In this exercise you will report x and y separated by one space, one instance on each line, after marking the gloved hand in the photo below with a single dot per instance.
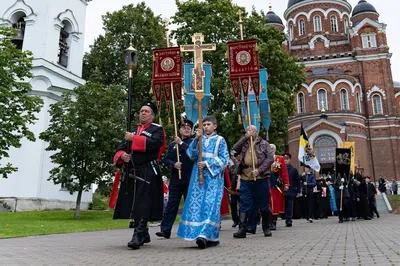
341 187
342 180
305 183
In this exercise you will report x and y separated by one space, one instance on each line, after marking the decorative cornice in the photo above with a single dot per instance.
333 86
324 12
315 38
380 26
69 16
18 6
307 2
376 89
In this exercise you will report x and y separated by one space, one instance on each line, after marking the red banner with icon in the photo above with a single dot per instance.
244 67
167 72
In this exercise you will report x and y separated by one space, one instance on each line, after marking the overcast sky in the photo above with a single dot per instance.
388 10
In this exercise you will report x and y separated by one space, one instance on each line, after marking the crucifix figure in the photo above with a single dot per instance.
198 47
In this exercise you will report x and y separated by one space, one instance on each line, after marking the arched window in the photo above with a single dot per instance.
302 27
301 107
334 25
20 27
64 44
291 32
317 24
322 99
346 25
325 149
377 104
358 100
344 100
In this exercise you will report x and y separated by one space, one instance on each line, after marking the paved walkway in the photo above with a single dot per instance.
325 242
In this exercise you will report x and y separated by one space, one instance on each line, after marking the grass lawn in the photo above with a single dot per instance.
395 203
17 224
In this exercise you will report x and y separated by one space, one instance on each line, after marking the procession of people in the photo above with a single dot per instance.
259 184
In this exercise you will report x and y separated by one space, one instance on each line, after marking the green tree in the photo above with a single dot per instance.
132 23
218 21
83 135
17 107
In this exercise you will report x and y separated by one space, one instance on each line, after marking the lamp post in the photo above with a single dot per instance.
130 58
131 61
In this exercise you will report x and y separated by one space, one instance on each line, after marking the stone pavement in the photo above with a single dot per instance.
325 242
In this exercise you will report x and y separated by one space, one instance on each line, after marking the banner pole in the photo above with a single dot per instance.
176 130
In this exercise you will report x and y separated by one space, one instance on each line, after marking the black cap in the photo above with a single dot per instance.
186 122
287 154
152 105
307 166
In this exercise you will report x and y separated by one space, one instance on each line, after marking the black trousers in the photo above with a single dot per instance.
310 206
234 201
176 191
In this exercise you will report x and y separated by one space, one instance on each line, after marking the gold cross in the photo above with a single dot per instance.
198 48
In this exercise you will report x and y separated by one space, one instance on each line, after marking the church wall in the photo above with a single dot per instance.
28 188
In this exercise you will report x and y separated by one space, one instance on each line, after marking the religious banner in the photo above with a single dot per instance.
244 67
190 102
259 112
167 73
342 165
352 146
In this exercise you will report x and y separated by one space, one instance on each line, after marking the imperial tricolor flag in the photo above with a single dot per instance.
306 154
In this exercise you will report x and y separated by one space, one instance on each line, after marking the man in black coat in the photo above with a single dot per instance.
293 191
177 187
141 194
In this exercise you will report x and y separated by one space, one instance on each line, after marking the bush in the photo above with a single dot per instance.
99 202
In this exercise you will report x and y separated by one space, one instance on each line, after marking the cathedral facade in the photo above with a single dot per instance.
53 31
349 94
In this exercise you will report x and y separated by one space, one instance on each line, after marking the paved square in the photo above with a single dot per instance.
325 242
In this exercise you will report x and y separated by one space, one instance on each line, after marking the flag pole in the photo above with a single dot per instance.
240 12
173 103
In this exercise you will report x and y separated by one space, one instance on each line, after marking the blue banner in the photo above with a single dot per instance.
190 101
263 111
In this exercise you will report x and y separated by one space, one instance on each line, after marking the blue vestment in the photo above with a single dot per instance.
201 213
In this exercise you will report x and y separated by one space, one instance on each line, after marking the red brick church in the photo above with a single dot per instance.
349 94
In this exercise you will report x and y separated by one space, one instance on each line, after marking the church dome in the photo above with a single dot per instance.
273 18
363 7
293 2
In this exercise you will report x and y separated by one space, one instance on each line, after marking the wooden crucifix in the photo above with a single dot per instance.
198 47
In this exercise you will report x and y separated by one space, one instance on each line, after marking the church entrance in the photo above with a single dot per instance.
325 149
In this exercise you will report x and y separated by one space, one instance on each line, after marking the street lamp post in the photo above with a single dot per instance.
131 61
130 58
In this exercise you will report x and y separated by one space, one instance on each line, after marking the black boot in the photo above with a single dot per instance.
241 233
146 237
266 224
139 235
135 242
273 222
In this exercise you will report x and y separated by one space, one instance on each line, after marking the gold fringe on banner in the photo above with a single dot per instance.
259 118
169 121
239 119
151 91
159 121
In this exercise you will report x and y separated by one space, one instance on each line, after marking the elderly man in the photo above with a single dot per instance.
254 187
141 191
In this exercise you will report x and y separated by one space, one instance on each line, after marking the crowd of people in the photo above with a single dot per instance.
259 185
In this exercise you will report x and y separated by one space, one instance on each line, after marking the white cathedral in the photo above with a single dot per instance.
53 31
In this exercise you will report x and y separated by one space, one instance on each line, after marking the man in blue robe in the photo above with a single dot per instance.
201 218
